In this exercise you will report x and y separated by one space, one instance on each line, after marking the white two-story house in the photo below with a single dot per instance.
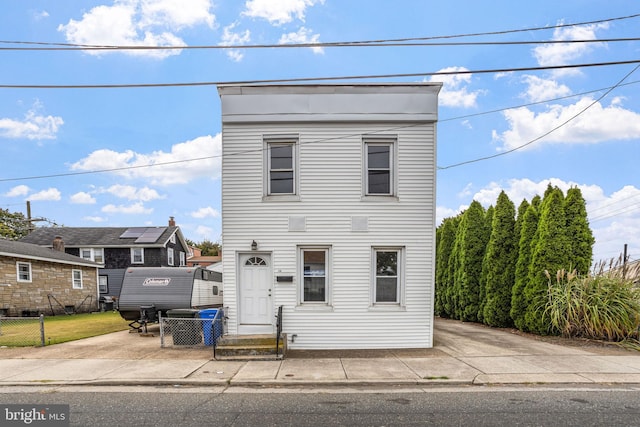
328 210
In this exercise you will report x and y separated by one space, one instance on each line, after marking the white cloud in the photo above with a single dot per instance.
180 170
50 194
136 208
17 191
94 219
82 198
613 218
543 89
302 36
39 15
597 124
138 23
207 212
130 192
34 126
204 232
565 53
229 37
455 91
278 12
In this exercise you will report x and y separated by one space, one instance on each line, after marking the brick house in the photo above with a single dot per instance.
35 280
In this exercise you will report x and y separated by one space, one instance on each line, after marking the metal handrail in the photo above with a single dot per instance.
278 330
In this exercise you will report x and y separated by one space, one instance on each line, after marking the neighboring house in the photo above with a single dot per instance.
328 201
36 280
195 258
118 248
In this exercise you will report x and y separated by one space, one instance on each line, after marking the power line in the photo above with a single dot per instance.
546 133
124 168
316 45
321 79
416 41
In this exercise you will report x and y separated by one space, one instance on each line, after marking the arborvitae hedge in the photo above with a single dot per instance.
488 218
500 264
444 283
467 255
580 236
519 302
550 253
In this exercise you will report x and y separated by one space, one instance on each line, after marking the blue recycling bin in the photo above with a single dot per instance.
211 330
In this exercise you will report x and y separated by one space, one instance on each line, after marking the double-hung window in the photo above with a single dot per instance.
23 271
387 276
315 277
103 284
183 260
93 254
170 256
379 161
281 167
76 278
137 255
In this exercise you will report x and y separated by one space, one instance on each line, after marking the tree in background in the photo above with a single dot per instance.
499 264
13 225
550 253
207 247
529 225
468 253
445 239
578 231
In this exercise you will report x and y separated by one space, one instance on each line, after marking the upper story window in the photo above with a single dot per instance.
380 167
93 254
76 277
170 256
137 255
281 166
172 239
183 259
23 271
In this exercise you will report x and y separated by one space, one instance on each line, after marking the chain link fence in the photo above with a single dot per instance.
179 332
21 331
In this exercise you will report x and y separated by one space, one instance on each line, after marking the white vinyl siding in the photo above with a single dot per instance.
76 279
23 271
330 191
407 221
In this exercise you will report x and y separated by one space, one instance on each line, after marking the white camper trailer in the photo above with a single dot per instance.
160 289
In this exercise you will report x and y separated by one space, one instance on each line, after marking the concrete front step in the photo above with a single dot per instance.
250 347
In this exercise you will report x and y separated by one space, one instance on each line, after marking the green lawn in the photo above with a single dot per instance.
58 329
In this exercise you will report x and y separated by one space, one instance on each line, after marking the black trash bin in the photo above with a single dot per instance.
187 331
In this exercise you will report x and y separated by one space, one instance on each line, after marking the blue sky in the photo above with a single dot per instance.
592 137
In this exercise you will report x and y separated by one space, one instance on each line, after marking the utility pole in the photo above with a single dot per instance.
30 220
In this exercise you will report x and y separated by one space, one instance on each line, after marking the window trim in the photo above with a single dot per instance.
30 278
281 140
170 257
327 275
92 254
133 251
102 277
400 285
74 280
392 143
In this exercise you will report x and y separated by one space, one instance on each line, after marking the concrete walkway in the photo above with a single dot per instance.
463 354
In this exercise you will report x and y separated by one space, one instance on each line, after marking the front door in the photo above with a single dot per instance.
255 293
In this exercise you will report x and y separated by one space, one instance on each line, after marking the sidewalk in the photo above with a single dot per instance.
464 354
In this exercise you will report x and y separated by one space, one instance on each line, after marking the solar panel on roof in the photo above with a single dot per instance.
133 232
150 235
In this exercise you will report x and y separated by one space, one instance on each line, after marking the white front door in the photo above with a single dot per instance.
255 293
